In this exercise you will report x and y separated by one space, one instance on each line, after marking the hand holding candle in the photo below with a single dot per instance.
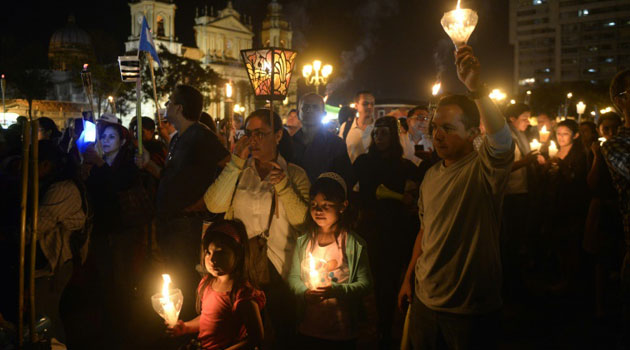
168 303
314 272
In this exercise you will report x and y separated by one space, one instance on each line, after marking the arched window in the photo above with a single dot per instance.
160 26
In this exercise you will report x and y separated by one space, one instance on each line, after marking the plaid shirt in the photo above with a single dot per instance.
616 152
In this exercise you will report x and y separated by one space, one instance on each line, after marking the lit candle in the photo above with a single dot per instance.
601 140
459 24
436 89
553 150
170 314
313 274
544 134
535 145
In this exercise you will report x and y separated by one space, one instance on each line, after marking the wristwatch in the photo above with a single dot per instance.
479 93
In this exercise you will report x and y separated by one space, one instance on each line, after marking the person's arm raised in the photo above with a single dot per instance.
468 71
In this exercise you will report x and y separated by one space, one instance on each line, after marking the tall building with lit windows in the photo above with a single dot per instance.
568 40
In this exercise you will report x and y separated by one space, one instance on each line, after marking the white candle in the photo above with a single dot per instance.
170 314
544 134
535 145
553 150
313 274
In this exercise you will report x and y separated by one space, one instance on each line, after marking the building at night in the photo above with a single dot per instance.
219 38
568 40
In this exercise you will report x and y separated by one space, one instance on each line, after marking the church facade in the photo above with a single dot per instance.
219 38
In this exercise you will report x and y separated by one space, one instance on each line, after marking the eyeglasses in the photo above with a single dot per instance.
623 93
257 134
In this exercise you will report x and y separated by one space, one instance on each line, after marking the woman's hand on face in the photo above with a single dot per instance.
241 148
276 174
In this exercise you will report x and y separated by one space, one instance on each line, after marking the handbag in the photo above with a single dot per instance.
258 250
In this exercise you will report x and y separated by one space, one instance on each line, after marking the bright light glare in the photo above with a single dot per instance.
317 64
307 70
327 70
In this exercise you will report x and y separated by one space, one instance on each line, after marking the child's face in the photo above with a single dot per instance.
219 260
324 212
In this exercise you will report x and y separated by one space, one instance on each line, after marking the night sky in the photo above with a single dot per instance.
395 48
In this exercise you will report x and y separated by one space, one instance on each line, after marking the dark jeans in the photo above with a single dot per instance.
429 329
515 240
279 312
179 240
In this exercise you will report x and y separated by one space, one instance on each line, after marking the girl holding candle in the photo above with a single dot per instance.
228 304
329 310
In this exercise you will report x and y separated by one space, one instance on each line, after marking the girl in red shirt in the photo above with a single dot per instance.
228 304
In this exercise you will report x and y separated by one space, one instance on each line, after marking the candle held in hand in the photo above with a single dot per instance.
169 302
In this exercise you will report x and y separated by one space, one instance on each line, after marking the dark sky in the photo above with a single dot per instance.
392 47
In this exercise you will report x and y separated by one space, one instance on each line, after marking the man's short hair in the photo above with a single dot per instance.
357 96
293 111
470 115
609 116
305 96
515 110
619 83
417 108
191 100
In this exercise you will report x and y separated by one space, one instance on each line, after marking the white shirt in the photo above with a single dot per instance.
357 141
252 204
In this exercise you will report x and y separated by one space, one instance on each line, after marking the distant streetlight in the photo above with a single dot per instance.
112 103
316 75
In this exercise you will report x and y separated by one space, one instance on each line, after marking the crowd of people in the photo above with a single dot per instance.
296 237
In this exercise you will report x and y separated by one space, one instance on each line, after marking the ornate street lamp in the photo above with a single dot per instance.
459 24
316 75
269 70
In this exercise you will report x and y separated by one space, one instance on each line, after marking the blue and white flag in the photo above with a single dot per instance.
146 41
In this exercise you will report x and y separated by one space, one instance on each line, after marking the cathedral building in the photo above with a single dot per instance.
219 38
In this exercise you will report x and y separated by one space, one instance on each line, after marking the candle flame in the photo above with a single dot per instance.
228 90
167 280
458 3
85 66
436 88
325 98
544 128
2 76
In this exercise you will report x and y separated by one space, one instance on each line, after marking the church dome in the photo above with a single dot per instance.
69 47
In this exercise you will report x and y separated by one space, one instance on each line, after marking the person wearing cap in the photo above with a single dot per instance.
456 258
316 149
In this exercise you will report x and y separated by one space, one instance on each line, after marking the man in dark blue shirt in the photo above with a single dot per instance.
316 149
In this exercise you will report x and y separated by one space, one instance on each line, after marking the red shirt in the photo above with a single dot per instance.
219 325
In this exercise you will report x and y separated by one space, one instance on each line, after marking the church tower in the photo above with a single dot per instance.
276 31
161 19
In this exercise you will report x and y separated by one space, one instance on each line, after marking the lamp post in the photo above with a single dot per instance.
316 75
580 107
228 112
269 70
459 24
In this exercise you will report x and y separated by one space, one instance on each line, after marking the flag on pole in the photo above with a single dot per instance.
146 42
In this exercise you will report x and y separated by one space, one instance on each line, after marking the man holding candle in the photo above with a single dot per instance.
616 152
456 256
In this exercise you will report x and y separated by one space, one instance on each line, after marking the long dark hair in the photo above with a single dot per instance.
334 192
394 149
233 235
125 153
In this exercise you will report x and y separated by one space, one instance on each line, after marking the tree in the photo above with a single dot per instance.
175 70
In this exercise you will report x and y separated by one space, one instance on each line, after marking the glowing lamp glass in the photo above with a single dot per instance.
580 107
327 70
459 24
168 303
269 71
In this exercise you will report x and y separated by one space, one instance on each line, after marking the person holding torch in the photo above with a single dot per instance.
456 257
